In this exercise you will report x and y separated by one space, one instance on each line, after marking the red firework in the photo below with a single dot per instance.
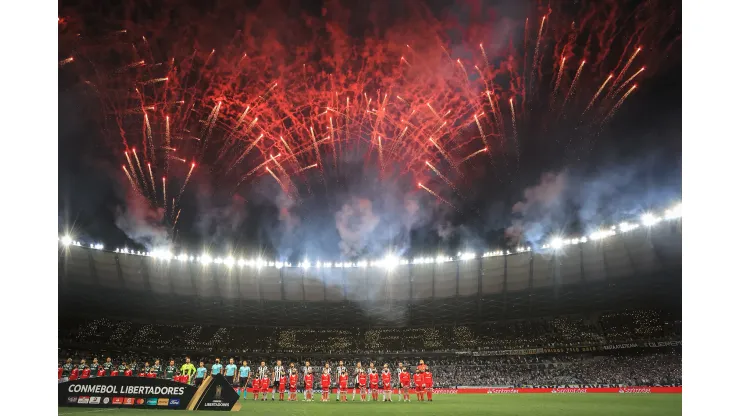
398 97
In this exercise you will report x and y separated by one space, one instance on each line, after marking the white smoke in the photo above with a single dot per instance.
143 223
355 223
536 212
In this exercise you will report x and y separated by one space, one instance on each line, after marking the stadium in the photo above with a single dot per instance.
312 207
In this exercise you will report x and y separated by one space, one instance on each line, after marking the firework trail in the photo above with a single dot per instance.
149 140
138 165
480 129
133 185
380 155
468 157
435 195
187 178
513 120
177 217
130 165
307 167
208 128
557 83
593 100
164 193
151 176
441 176
625 83
619 104
616 83
572 89
246 151
535 60
442 152
154 81
66 61
282 186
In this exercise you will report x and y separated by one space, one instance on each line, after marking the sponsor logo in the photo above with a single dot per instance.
83 400
217 404
174 402
139 401
163 402
72 399
106 400
445 391
129 401
503 391
119 400
636 390
95 400
152 401
569 390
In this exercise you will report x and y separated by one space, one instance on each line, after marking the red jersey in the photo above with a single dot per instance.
283 379
73 375
86 373
386 376
293 380
422 368
142 374
404 378
362 380
428 380
59 373
150 375
325 380
128 372
265 383
343 381
309 381
101 372
114 373
418 379
374 379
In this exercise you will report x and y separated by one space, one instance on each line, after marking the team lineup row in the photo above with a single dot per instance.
277 379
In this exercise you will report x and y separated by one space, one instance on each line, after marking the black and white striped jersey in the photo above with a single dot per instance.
278 372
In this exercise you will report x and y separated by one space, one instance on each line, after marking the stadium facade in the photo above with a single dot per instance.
638 268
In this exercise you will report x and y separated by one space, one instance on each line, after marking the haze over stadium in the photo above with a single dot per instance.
433 168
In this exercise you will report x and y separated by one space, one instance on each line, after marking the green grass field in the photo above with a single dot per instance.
472 404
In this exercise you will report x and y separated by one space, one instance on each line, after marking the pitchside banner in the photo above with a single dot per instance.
148 393
561 390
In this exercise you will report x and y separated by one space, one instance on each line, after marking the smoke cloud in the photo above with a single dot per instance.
143 223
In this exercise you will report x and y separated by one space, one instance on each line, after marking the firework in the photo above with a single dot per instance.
177 217
133 185
187 178
66 61
229 114
441 176
435 195
164 193
276 179
612 92
468 157
619 103
593 100
151 176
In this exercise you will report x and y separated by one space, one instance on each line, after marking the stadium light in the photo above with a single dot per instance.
556 243
466 256
66 240
229 262
648 219
206 259
673 213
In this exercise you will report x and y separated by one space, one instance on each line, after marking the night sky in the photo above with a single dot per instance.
567 180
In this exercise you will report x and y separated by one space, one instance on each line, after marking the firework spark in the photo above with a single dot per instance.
435 195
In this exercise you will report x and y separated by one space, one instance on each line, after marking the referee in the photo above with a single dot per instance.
277 373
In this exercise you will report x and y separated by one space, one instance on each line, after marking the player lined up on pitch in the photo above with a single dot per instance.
368 382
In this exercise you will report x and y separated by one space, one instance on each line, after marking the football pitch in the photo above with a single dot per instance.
469 404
